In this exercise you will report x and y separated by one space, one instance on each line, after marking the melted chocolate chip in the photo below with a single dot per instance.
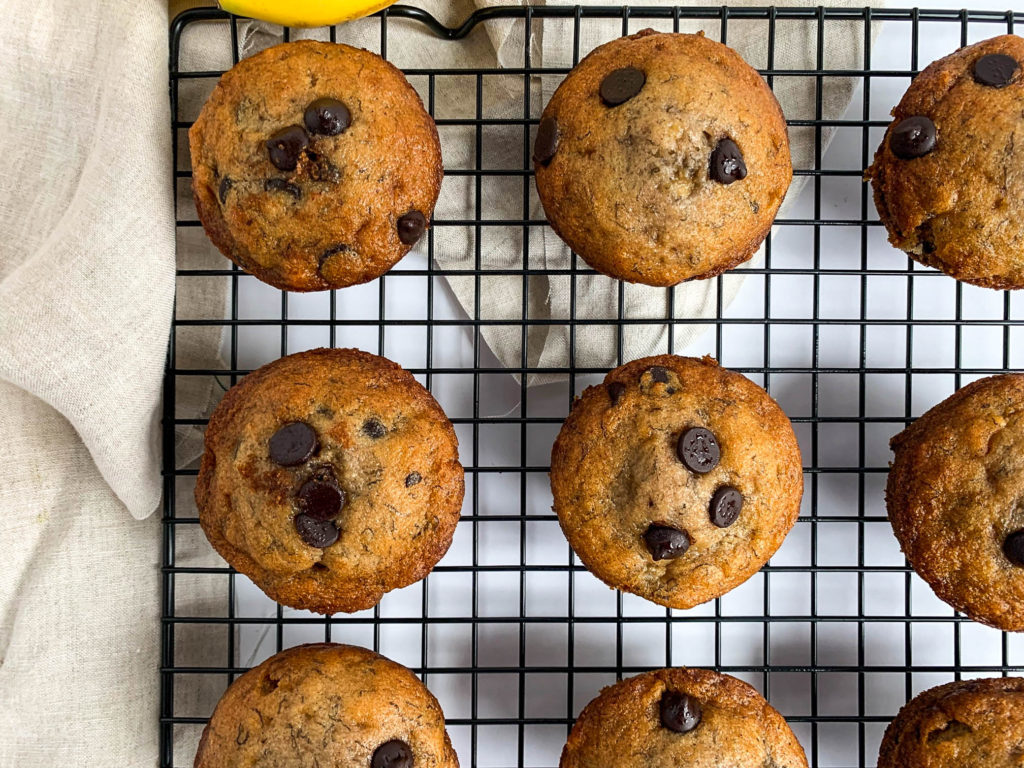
286 145
223 188
280 185
316 533
293 444
621 85
321 499
912 137
546 143
995 70
615 390
392 754
1013 548
679 712
412 479
659 374
373 428
725 507
727 163
411 226
698 450
327 117
665 542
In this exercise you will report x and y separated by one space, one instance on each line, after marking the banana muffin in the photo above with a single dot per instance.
329 478
945 176
326 705
966 724
662 158
956 499
676 479
314 165
689 718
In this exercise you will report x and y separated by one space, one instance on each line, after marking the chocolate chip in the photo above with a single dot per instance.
280 185
222 190
615 390
411 226
679 712
698 450
659 374
995 70
412 479
316 533
321 499
392 754
293 444
727 163
332 251
286 145
1013 548
725 506
665 542
912 137
373 428
621 85
546 143
327 117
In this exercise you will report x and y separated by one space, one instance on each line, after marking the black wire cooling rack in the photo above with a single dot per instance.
836 631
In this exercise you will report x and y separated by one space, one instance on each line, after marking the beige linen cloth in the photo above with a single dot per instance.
87 257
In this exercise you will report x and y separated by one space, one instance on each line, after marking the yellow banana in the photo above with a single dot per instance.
304 13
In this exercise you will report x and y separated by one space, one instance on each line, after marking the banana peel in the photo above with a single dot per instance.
304 13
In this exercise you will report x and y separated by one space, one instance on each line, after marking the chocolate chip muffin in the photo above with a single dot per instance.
314 165
676 479
326 705
966 724
681 717
329 478
956 499
945 176
662 158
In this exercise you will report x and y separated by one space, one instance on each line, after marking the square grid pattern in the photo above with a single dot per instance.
510 632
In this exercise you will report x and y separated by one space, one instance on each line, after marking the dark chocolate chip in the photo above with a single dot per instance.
698 450
392 754
412 479
286 145
222 190
726 505
621 85
615 390
373 428
546 143
321 499
679 712
316 533
280 185
293 444
1013 548
334 250
411 226
327 117
665 542
659 374
727 163
995 70
912 137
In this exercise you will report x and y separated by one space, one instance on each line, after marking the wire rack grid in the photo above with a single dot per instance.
510 631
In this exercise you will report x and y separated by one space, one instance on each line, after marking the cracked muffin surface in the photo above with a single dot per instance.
966 724
329 478
947 177
676 479
662 158
681 717
955 497
314 165
326 705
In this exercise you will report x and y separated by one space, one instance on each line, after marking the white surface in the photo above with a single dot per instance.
887 592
